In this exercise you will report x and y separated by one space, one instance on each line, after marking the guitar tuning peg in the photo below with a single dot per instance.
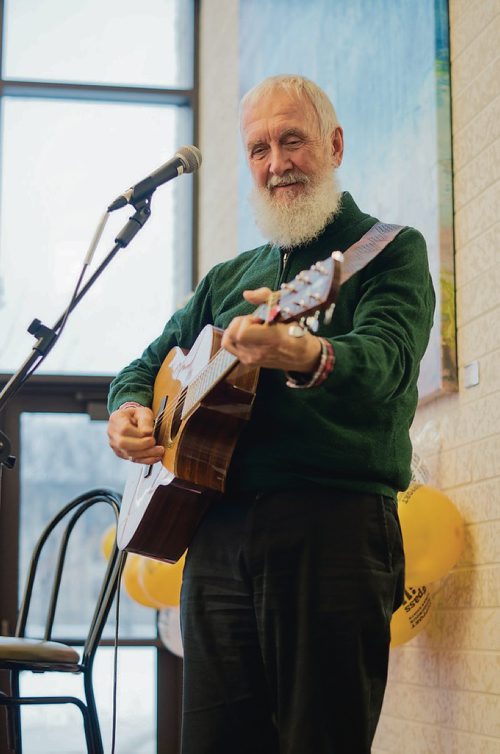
297 330
329 314
313 323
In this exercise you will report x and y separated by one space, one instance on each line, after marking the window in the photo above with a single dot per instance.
114 43
93 98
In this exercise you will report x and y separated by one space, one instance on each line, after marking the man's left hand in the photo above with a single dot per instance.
269 345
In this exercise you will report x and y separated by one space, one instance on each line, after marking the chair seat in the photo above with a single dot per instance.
36 650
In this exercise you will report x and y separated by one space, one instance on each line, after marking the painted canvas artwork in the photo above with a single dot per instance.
385 66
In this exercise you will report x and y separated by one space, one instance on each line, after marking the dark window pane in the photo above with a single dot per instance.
62 456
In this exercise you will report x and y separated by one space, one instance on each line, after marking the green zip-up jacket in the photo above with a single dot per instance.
352 431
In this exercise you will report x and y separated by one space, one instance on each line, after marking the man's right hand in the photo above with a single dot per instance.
130 434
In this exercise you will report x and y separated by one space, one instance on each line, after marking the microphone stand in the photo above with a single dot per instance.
47 336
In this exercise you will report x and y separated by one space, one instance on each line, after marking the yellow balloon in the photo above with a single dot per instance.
131 582
433 533
161 581
108 541
413 615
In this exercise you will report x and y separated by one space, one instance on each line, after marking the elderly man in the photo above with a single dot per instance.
292 577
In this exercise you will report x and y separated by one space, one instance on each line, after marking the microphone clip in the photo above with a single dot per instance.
136 222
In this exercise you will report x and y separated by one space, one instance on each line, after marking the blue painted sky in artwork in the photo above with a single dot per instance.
348 48
374 58
384 64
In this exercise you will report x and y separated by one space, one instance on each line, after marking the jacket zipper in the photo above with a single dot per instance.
283 263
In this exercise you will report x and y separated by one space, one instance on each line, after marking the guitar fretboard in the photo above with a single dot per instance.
213 372
207 379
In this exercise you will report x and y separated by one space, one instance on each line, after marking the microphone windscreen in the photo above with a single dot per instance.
191 158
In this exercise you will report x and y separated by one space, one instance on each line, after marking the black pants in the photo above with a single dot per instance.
286 605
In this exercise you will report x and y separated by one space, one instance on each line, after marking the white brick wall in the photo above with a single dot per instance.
443 695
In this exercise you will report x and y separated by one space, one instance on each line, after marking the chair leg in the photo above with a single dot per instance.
14 742
13 712
94 744
93 718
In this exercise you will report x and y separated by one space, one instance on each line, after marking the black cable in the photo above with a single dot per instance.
115 656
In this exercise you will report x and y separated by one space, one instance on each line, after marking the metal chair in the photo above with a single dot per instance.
19 653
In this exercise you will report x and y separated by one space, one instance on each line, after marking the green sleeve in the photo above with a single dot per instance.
380 357
135 382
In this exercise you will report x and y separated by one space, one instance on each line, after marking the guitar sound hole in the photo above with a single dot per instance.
176 422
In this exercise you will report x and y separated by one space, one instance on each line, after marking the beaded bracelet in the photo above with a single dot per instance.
326 362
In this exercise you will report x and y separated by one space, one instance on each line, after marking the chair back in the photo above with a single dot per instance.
69 516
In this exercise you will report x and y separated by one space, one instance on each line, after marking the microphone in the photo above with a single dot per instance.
186 160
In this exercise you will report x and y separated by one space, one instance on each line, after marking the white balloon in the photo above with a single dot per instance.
169 629
419 471
426 444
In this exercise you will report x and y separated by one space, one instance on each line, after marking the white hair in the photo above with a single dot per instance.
297 87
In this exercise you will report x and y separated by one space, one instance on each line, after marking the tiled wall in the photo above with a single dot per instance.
443 695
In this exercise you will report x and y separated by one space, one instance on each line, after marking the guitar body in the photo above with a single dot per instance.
164 503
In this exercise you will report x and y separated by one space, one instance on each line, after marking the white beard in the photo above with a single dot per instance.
301 219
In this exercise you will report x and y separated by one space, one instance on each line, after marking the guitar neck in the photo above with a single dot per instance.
216 369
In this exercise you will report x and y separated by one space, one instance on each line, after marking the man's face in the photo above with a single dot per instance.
284 147
295 190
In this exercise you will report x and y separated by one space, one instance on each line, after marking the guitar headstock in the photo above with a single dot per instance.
309 292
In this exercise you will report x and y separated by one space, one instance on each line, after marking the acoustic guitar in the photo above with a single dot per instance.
201 401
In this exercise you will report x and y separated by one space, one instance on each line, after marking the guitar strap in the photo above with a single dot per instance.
363 251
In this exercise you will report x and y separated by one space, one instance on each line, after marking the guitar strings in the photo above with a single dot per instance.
170 409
